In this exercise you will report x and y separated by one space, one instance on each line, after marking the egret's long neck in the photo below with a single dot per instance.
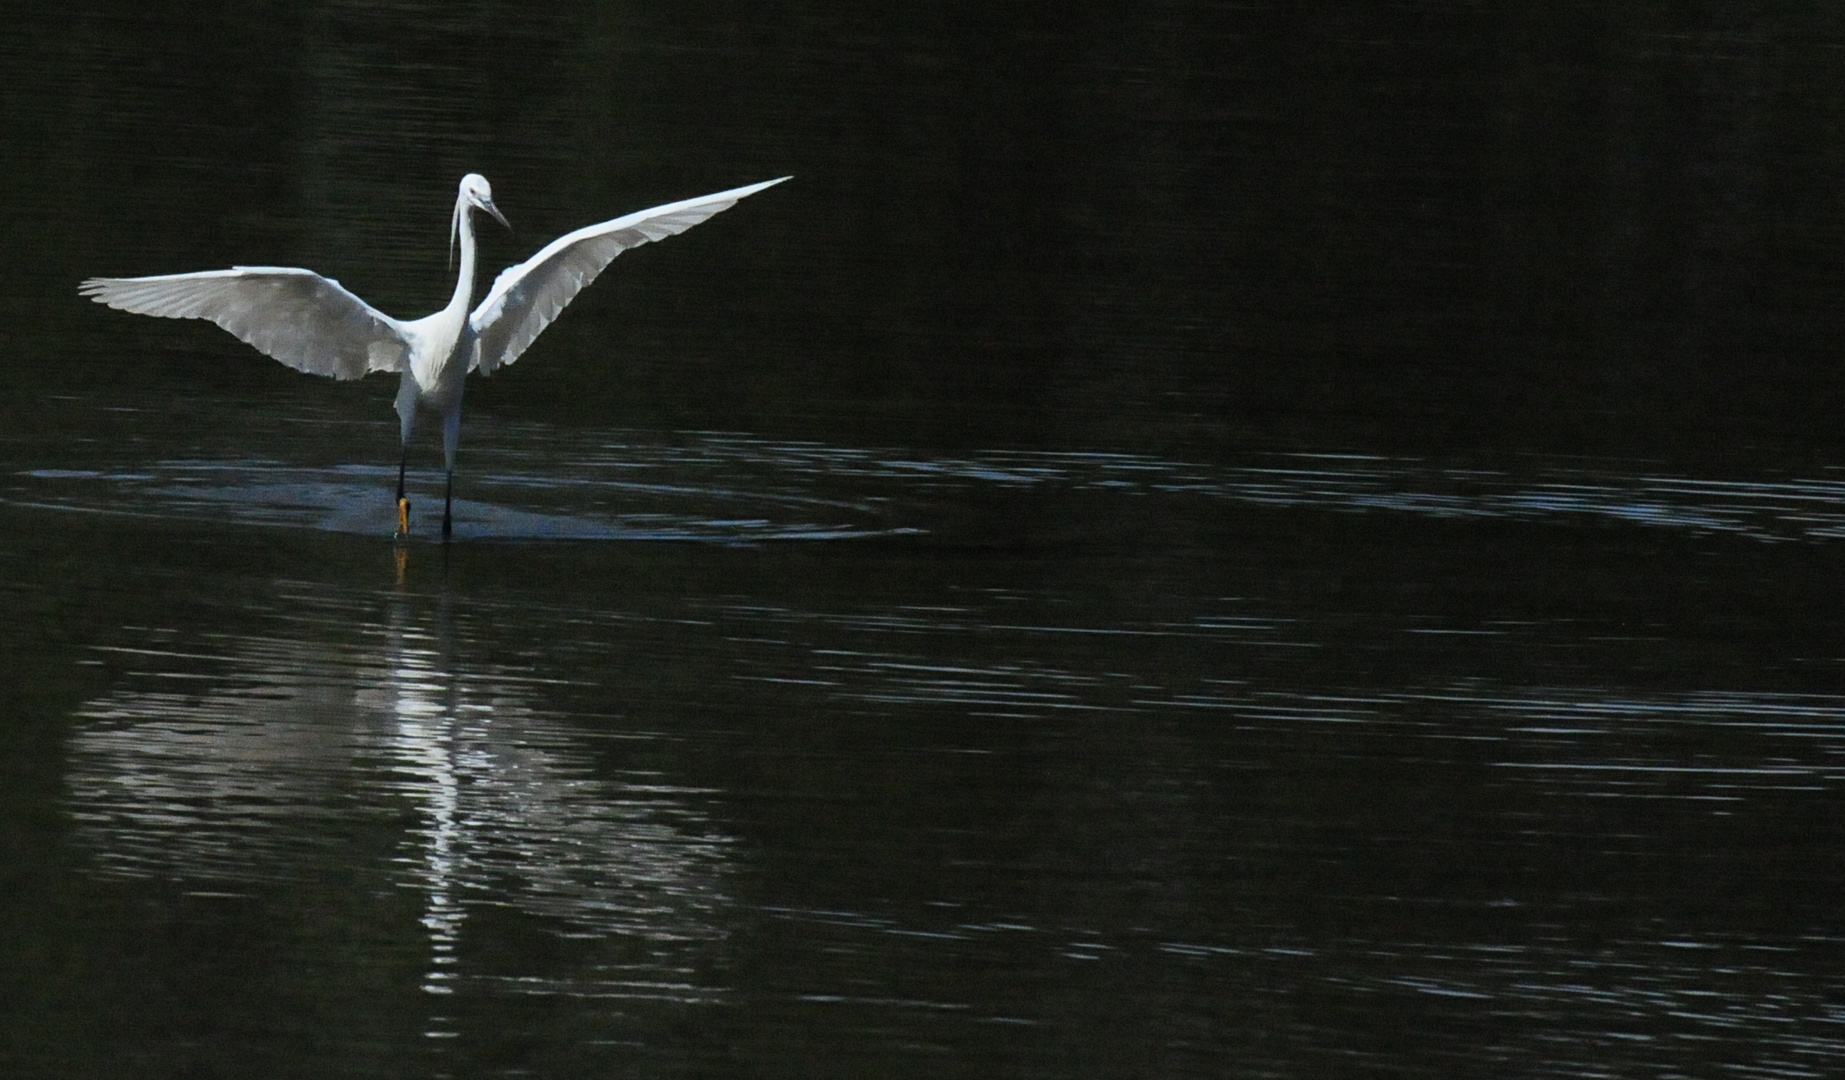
464 284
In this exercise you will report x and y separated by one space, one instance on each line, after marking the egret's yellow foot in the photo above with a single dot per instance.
403 517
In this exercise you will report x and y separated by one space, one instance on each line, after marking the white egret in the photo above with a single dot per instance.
312 324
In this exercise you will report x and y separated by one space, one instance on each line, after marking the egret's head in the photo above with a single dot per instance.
475 192
479 193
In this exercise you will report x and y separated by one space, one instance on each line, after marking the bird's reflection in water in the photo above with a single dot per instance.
357 737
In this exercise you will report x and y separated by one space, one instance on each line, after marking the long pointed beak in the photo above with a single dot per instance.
487 205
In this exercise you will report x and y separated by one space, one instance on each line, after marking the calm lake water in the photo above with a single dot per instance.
1188 541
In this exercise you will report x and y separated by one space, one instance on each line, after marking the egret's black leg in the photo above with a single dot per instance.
451 437
403 501
406 415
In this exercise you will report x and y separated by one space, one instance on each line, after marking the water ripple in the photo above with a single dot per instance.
534 481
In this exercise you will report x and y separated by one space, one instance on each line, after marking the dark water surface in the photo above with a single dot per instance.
1191 540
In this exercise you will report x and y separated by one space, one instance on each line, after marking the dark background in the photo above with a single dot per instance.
1424 227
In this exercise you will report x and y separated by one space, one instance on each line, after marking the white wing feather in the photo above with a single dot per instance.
307 321
527 297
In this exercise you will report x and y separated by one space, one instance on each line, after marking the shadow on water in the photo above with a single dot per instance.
531 481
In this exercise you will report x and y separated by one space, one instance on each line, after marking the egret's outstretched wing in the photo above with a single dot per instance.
525 298
306 321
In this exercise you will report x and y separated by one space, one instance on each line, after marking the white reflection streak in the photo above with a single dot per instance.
271 760
425 744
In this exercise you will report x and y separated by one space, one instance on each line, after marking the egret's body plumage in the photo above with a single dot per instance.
312 324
